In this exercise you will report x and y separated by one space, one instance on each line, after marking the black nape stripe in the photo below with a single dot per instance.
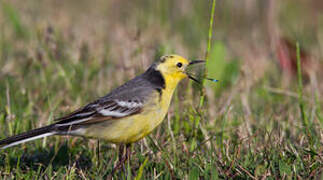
156 78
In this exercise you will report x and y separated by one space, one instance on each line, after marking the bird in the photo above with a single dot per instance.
126 114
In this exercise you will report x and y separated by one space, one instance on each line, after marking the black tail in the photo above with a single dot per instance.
27 136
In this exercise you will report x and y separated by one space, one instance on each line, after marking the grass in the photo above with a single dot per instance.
202 96
252 124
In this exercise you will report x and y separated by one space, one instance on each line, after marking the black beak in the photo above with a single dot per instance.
191 77
196 62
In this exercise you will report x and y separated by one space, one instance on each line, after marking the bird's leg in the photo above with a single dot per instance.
98 153
120 154
128 151
123 156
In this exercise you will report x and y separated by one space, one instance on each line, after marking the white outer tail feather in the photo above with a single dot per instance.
28 139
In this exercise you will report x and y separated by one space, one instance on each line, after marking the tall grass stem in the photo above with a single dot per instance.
209 44
300 95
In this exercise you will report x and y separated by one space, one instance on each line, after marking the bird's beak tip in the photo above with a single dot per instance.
196 62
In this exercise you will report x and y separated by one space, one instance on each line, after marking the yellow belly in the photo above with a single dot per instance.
133 128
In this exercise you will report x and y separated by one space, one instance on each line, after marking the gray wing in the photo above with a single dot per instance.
123 101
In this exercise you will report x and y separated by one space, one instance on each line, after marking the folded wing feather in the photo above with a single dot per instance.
104 111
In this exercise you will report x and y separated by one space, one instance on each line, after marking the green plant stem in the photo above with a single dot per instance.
202 92
300 95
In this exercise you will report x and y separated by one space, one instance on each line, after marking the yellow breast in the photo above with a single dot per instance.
133 128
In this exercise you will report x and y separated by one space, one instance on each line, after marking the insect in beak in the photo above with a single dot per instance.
193 78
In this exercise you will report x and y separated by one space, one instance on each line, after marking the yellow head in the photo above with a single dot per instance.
173 67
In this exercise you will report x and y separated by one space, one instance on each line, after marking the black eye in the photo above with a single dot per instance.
179 64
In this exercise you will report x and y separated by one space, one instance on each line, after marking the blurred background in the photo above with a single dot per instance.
57 55
112 41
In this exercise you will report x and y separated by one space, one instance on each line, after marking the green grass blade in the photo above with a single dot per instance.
141 170
301 94
209 44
